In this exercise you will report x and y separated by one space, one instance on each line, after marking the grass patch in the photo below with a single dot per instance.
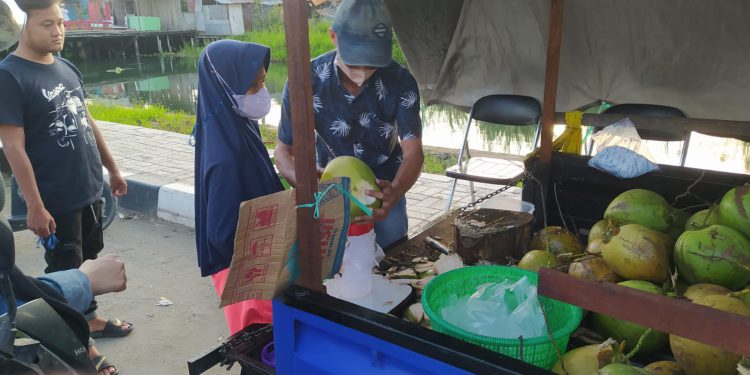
147 116
161 118
437 163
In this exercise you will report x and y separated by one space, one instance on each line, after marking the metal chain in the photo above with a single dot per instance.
463 210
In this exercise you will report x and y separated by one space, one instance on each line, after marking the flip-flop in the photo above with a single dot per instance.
101 363
113 328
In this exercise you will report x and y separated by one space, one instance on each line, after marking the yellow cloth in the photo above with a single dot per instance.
571 139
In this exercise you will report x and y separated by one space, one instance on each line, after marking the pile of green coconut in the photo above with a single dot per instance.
643 242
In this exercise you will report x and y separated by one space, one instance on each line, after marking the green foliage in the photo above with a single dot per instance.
268 30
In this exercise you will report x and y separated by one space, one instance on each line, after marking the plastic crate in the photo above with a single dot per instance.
317 334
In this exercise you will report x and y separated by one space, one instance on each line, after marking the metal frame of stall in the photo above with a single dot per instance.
713 327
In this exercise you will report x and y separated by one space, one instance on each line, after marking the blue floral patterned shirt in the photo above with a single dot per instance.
369 125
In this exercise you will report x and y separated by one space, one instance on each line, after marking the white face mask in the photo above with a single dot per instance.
358 75
254 106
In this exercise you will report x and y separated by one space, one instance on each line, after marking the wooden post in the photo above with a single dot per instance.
550 78
158 44
138 57
169 45
192 42
700 323
300 91
137 50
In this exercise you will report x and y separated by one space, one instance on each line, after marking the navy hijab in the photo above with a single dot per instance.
231 162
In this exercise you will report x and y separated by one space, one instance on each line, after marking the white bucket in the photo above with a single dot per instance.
499 202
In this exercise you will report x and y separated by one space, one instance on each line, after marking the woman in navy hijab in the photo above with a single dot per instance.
231 162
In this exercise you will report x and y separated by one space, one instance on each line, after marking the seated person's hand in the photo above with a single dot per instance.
106 274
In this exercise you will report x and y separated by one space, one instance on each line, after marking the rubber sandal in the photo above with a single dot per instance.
101 363
113 328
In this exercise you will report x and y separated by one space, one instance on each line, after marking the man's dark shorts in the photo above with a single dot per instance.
80 238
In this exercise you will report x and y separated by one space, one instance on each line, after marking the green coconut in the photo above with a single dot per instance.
679 219
701 359
628 332
621 369
559 241
734 209
698 291
362 179
716 255
595 246
601 227
579 361
703 219
642 207
593 269
744 295
665 368
536 259
638 253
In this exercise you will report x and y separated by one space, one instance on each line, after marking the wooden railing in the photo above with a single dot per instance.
88 25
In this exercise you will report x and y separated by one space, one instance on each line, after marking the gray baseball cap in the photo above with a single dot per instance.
363 33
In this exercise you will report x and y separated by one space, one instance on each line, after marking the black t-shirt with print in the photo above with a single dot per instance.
48 102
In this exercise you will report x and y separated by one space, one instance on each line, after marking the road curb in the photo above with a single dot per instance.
176 204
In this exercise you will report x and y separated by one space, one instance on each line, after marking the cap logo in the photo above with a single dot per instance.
380 30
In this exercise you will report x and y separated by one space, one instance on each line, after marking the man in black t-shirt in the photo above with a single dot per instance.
55 149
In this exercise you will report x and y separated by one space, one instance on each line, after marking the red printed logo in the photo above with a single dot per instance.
260 247
327 236
265 217
256 274
254 294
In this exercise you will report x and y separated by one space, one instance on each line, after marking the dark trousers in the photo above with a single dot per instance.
80 237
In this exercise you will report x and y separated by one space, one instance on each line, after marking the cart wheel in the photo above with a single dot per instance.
109 206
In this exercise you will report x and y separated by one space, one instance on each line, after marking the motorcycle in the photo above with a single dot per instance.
17 218
43 336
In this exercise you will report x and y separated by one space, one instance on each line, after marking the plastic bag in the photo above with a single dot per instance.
502 310
621 152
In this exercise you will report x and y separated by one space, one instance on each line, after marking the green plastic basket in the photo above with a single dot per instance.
562 318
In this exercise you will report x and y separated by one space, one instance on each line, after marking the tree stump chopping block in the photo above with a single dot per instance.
493 235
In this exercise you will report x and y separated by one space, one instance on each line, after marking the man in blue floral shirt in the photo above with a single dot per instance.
367 106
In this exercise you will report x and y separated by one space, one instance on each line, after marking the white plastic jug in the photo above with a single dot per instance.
360 256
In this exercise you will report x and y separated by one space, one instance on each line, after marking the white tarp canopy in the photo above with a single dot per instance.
690 54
